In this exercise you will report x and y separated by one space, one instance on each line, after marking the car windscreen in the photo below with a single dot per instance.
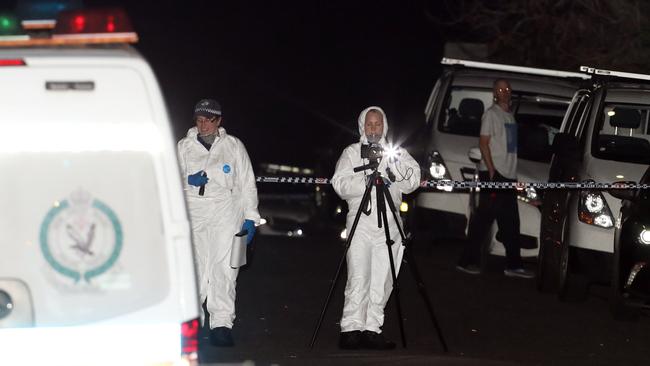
622 131
538 116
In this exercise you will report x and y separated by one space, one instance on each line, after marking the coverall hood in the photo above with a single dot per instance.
362 122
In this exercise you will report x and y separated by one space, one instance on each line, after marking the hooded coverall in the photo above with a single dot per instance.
230 197
369 281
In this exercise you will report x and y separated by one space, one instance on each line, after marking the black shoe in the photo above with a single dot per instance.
350 340
221 337
373 340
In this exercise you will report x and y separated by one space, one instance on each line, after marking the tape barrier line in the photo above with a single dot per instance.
446 184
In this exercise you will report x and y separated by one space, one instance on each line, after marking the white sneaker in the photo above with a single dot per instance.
519 272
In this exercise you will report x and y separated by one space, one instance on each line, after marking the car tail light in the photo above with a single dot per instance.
190 341
594 210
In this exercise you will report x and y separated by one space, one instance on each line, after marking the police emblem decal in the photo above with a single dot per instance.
226 169
81 237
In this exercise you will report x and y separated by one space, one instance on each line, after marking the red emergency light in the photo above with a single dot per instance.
110 23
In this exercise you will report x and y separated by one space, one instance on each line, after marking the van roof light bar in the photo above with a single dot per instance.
78 27
618 74
515 69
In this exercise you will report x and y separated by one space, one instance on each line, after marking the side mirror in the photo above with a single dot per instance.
624 193
474 155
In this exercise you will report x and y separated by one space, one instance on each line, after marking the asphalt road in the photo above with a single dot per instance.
487 319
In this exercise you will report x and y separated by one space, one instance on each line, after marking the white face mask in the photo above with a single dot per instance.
373 139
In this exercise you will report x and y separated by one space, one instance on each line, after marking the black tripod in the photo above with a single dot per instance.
383 196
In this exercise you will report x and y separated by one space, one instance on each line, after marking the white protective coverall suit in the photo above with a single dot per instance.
230 197
369 282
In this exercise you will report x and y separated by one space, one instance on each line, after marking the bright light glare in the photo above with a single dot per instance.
404 207
611 113
262 221
531 193
645 236
344 234
142 344
391 152
299 232
79 137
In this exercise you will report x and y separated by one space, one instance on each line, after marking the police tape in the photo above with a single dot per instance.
451 184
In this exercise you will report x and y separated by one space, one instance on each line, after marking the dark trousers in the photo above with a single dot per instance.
499 204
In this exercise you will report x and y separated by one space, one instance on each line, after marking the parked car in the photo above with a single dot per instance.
96 263
291 209
631 273
605 137
453 113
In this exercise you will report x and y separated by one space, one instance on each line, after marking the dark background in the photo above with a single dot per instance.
292 76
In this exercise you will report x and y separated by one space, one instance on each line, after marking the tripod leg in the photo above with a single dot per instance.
425 296
381 211
414 270
364 200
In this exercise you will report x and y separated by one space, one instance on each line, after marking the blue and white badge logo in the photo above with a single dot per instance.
226 168
81 237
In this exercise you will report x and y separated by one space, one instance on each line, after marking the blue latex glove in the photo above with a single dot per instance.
197 179
249 225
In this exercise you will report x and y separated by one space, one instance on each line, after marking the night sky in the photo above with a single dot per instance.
292 76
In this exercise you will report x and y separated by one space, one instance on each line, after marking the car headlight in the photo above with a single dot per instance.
594 210
644 237
594 203
437 170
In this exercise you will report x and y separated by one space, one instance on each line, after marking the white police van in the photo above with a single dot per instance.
540 98
96 264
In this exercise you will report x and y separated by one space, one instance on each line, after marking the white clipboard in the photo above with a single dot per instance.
238 250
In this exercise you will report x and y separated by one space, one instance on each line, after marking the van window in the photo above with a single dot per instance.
623 130
539 118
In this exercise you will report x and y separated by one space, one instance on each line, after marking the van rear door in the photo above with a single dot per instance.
82 230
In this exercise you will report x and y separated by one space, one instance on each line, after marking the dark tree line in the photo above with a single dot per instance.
552 33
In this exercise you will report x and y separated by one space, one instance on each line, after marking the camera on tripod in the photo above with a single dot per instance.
372 151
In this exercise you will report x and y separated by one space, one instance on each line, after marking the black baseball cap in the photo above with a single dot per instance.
207 108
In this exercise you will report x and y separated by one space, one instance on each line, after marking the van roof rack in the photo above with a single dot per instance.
618 74
516 69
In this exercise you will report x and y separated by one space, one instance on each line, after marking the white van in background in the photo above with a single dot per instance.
540 98
96 263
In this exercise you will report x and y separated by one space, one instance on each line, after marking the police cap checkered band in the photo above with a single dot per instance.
207 108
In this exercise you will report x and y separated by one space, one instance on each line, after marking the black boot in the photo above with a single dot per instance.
221 337
374 340
350 340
